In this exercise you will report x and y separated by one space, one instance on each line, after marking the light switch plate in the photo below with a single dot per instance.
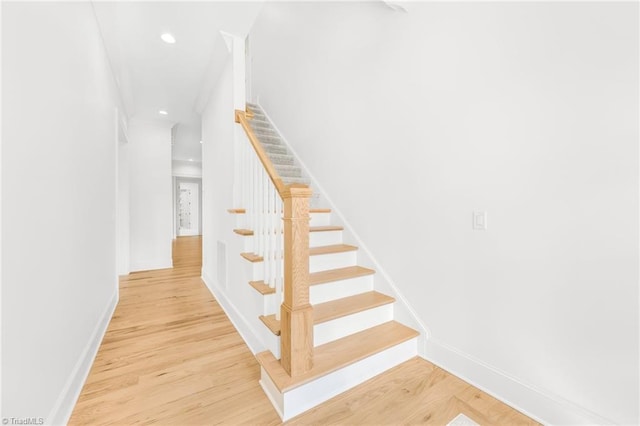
479 221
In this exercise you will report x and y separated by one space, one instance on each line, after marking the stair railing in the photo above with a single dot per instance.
278 214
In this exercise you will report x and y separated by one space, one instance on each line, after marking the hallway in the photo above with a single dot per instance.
171 356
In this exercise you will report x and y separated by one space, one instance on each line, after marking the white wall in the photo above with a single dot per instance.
528 111
187 141
123 254
59 283
186 168
151 194
227 281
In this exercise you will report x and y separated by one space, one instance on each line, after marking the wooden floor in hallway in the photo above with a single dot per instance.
171 357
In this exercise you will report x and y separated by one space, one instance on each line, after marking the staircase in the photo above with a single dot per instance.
325 327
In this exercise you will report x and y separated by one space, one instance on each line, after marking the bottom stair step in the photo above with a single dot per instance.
338 354
337 367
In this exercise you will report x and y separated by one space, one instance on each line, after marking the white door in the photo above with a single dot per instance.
188 208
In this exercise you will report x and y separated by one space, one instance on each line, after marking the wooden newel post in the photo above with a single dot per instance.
296 314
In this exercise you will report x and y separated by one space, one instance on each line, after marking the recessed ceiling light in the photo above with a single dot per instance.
190 159
168 38
200 141
162 112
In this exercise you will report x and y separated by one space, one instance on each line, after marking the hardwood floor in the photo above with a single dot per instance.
171 356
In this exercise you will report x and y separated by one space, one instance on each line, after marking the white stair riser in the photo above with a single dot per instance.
320 219
307 396
317 263
256 271
316 239
332 261
239 220
325 238
338 328
271 341
321 293
326 292
270 304
247 244
344 326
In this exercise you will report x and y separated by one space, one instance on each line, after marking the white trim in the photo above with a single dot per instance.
186 175
549 409
400 299
62 409
246 331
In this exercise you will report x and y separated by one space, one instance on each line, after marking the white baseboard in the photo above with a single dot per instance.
63 407
150 265
549 409
246 331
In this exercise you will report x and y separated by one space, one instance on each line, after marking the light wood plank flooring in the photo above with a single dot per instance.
171 356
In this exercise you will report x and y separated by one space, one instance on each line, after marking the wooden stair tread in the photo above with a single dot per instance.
262 287
334 248
338 308
272 323
313 251
249 232
252 257
243 211
325 228
339 353
331 275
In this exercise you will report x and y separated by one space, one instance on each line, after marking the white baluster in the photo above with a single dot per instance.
273 194
279 257
260 211
267 231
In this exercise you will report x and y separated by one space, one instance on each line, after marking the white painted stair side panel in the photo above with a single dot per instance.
271 341
307 396
332 261
255 270
333 290
320 219
324 238
247 243
344 326
270 304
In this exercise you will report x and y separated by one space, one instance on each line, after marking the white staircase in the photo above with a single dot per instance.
355 336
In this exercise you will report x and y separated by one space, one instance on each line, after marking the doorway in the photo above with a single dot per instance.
188 207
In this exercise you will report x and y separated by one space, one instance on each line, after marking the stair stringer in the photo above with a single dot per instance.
241 303
383 282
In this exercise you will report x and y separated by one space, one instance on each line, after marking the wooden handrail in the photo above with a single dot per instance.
296 314
241 117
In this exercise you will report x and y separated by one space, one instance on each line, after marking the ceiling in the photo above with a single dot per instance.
153 75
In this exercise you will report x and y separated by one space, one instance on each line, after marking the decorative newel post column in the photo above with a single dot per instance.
296 314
